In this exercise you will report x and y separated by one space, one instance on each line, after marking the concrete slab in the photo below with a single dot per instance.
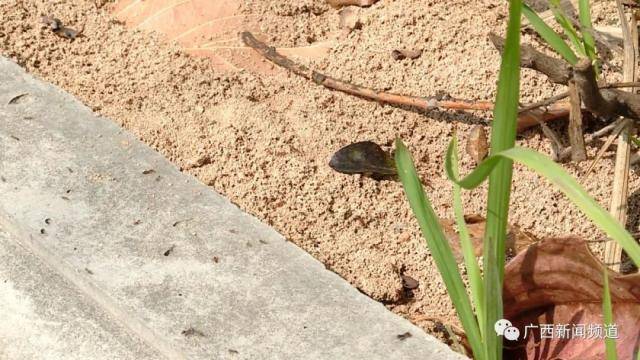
116 254
56 321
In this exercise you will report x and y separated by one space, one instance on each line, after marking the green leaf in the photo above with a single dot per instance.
555 174
587 30
635 140
549 35
439 246
471 263
567 26
607 311
503 135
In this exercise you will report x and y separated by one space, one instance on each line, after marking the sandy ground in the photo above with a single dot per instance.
265 141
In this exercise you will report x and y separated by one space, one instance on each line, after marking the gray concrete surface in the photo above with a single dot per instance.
109 252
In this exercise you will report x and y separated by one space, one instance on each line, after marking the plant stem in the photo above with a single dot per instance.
502 138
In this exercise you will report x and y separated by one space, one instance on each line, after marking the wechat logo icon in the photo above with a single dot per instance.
504 328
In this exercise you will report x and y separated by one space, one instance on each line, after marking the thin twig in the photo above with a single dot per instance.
621 124
556 143
620 192
548 101
592 138
425 103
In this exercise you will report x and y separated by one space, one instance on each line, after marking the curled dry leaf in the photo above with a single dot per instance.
365 157
517 239
477 144
336 4
209 29
560 282
406 54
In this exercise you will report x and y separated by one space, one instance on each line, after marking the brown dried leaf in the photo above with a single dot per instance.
477 144
560 282
365 157
517 240
208 29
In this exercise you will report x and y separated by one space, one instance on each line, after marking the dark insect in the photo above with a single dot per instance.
192 332
365 158
59 29
404 336
169 251
409 283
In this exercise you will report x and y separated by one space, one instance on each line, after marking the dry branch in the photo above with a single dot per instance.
557 70
576 136
597 99
525 119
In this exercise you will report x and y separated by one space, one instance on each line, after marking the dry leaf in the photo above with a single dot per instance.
560 282
209 29
477 144
363 157
517 240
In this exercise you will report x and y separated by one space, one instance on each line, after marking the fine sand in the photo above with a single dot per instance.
265 141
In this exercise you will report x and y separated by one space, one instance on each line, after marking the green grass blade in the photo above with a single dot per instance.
555 174
470 260
607 311
567 26
635 141
439 247
549 35
587 29
503 135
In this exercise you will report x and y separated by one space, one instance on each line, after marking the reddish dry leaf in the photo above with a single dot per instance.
209 29
560 282
517 240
